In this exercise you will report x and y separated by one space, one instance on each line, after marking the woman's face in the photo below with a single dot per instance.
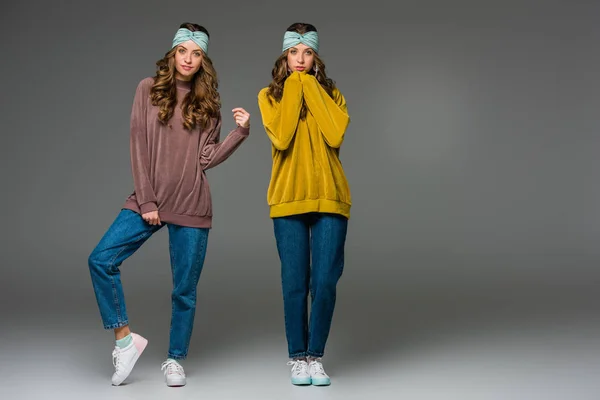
300 58
188 59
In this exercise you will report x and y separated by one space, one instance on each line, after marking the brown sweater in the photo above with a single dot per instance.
169 163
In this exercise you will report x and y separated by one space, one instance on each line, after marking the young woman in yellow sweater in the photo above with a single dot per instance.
305 117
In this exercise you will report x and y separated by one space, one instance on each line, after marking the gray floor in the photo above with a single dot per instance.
525 327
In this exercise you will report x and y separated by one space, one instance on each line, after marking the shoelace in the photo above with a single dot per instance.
299 366
172 367
317 367
115 358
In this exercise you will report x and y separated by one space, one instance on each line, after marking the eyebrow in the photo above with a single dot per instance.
183 47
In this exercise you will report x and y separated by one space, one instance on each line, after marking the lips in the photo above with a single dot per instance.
187 68
300 68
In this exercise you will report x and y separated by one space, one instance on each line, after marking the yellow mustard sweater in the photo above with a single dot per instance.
307 175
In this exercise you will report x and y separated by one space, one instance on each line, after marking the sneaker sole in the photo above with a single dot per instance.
321 382
175 382
301 382
140 343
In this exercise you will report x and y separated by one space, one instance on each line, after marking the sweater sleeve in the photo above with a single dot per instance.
281 119
140 158
331 114
214 151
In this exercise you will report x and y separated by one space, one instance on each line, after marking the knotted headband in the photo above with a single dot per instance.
198 37
291 39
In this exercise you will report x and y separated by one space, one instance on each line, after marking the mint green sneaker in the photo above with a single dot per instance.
300 375
317 373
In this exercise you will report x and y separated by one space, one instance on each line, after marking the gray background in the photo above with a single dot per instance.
472 256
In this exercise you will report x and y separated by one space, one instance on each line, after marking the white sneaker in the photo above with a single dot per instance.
318 376
125 359
300 374
174 374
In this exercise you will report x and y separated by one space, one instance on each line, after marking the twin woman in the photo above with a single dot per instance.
175 137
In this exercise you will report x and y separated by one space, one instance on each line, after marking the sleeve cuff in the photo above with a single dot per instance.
147 207
243 131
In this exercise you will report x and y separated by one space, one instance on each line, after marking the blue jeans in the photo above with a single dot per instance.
187 248
298 237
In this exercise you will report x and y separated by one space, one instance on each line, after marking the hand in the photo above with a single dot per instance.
152 218
241 117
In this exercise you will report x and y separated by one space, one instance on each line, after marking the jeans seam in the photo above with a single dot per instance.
338 269
173 268
116 302
195 278
177 357
314 354
117 325
296 355
111 266
197 267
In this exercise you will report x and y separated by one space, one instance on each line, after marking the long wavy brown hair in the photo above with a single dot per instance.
280 70
202 103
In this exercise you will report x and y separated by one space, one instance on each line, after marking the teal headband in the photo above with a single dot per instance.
291 39
198 37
